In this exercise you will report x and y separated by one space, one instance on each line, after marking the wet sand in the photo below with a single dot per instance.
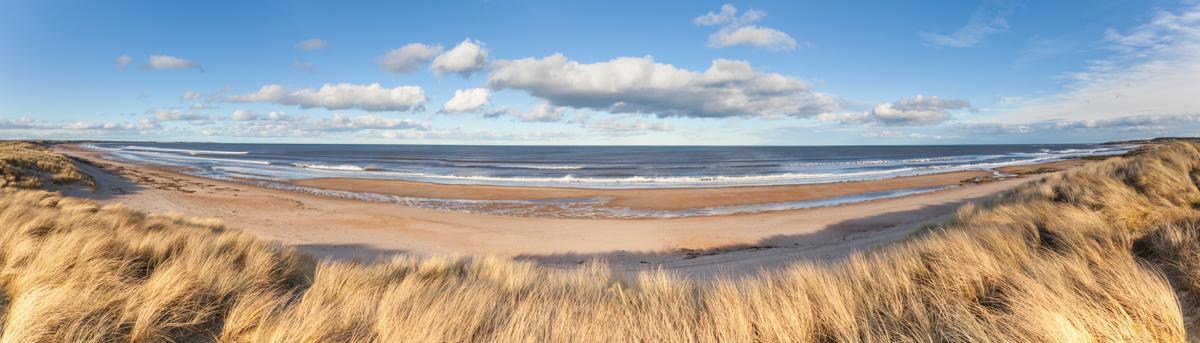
671 198
735 244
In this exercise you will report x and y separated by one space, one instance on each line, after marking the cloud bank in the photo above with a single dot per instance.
917 110
372 97
640 85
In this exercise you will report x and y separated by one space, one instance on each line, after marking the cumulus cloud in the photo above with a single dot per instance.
728 15
124 60
737 30
408 58
844 117
244 115
467 100
544 112
468 57
917 110
640 85
189 96
762 37
312 44
1162 124
159 61
29 124
372 97
458 134
365 122
278 124
174 114
984 23
890 134
281 116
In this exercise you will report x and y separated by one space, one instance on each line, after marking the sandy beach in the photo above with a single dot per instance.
735 244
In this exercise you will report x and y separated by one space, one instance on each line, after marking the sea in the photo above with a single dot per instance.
591 166
271 165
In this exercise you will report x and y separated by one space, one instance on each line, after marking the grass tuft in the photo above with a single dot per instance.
27 165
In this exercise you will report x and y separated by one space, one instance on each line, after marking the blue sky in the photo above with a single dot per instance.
534 72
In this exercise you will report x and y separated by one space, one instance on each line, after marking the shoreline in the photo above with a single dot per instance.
676 198
355 229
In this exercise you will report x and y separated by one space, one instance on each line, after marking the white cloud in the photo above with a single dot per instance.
580 117
366 122
29 124
278 124
312 44
543 113
917 110
758 36
172 62
458 134
727 13
372 97
189 96
174 114
616 126
1164 124
737 30
844 117
984 23
468 57
408 58
1152 71
467 100
123 61
244 115
280 116
728 16
890 134
640 85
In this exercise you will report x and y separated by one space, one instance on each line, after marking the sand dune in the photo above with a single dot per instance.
1107 252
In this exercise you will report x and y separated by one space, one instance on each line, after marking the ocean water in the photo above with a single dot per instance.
271 165
590 166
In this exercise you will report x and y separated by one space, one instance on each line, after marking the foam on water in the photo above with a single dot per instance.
271 166
185 151
657 167
339 167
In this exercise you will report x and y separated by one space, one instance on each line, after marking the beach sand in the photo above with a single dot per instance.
729 244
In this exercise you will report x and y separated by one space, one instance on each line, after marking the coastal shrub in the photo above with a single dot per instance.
1105 252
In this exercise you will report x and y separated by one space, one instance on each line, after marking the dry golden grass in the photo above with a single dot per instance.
28 165
1107 252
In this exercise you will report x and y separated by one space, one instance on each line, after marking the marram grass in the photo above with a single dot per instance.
1107 252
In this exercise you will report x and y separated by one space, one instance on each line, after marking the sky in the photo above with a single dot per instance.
600 72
